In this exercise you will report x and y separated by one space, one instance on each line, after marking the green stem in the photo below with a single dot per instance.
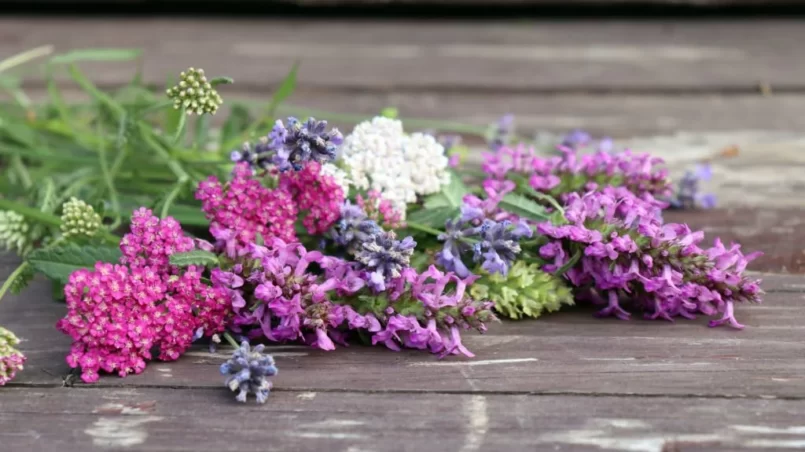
19 167
181 127
24 57
11 278
568 265
171 198
423 228
110 185
30 212
231 340
172 163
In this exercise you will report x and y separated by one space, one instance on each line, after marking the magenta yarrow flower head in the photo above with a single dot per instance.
117 313
247 208
619 253
380 210
281 298
316 193
572 172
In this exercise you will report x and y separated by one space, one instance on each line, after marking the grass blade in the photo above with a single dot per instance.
76 56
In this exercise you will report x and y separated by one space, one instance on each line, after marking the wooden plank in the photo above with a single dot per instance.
32 316
161 419
618 116
569 352
779 234
504 56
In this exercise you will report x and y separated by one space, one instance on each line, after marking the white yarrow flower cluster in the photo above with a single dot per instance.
379 155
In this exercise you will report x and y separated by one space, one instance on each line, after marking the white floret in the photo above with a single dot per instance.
378 155
428 163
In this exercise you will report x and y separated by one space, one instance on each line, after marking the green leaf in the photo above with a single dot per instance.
455 190
22 280
59 262
188 215
76 56
195 257
434 218
523 207
451 196
221 81
97 94
235 124
284 91
436 201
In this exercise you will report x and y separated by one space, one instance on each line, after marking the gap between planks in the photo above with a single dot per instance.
304 392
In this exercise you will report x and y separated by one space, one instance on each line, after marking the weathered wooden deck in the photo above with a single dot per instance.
565 382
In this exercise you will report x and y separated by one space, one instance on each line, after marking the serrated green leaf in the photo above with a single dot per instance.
58 263
195 257
22 280
523 207
76 56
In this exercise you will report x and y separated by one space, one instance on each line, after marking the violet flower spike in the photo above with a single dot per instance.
247 371
385 257
302 142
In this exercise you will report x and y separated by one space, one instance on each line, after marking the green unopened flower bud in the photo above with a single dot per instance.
526 291
194 93
79 219
14 231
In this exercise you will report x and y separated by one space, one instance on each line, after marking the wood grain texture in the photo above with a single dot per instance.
779 234
570 352
503 56
161 420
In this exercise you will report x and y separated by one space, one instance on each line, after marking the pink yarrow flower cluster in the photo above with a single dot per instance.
279 298
244 206
118 313
380 210
627 256
316 193
571 172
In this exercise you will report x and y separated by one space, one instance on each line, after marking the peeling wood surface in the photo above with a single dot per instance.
161 419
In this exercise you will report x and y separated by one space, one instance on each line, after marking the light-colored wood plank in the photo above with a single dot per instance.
457 56
210 420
